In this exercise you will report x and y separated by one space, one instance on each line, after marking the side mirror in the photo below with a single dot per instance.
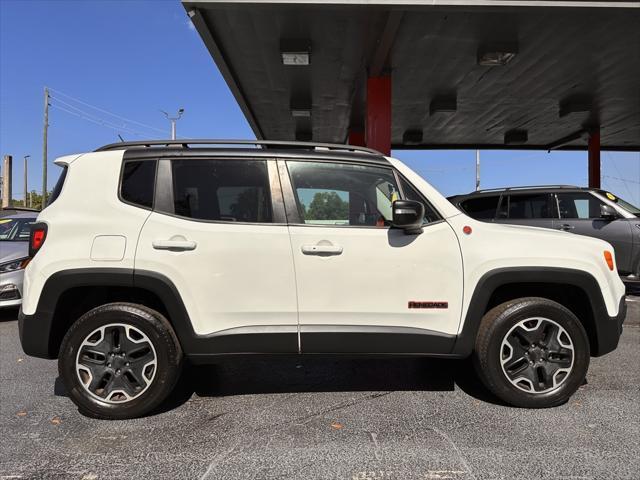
408 215
607 212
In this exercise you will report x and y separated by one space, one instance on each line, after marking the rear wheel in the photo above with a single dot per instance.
119 361
532 352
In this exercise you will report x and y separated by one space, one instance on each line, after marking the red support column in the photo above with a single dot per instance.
356 137
378 122
594 159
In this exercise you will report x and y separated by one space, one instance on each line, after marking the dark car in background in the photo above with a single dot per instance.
585 211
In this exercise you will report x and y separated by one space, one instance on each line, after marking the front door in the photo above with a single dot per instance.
363 286
580 213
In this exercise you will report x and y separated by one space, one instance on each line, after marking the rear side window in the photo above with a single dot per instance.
58 187
529 206
222 190
138 181
483 208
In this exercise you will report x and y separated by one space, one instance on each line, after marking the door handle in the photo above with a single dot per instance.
566 227
174 245
321 249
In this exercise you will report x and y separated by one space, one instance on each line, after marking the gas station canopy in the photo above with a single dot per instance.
448 74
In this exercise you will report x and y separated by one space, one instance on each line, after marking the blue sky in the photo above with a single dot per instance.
133 59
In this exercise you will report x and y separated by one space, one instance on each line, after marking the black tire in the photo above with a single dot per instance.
160 342
490 353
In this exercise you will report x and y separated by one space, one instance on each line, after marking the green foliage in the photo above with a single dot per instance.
327 206
34 200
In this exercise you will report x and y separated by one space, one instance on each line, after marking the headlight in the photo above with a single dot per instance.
14 265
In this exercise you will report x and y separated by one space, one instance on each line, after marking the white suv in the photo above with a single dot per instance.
152 253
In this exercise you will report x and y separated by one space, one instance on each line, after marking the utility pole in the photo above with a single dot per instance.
44 147
6 181
477 170
173 121
25 174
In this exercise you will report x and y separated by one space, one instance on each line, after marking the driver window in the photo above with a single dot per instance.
343 195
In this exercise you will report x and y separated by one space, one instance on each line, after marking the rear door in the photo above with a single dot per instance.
532 209
218 233
580 213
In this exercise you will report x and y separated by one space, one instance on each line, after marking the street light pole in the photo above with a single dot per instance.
173 121
477 170
26 157
44 146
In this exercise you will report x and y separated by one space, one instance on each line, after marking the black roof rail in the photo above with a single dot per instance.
524 187
185 143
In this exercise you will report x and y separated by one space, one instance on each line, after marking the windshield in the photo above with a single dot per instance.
15 229
626 205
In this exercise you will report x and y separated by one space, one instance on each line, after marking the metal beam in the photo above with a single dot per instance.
378 122
434 3
379 59
594 158
225 69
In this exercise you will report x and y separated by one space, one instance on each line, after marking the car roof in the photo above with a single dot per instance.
246 149
522 190
20 215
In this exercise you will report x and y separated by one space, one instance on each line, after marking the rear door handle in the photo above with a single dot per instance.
566 227
321 249
174 245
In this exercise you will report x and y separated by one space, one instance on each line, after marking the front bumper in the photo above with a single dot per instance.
11 288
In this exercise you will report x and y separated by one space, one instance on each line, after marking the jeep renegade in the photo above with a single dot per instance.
153 253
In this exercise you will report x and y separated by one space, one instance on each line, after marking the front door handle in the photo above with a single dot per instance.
174 245
566 227
321 249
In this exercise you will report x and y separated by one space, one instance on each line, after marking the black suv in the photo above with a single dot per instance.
586 211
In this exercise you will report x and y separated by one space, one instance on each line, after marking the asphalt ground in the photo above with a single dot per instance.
314 418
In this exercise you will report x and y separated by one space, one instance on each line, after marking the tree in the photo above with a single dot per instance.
36 200
327 206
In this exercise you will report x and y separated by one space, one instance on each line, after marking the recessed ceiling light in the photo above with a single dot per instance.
575 104
516 137
443 104
495 55
412 137
295 52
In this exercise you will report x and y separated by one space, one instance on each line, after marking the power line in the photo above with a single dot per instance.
106 111
101 122
96 119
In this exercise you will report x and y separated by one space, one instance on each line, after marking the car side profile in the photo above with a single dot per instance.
584 211
153 254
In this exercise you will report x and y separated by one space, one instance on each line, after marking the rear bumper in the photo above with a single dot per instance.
609 330
35 335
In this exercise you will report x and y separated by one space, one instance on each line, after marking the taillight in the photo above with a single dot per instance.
608 258
37 237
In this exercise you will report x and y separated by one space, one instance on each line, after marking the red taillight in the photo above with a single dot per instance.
37 237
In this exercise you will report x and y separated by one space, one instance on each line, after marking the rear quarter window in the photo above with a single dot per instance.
58 187
138 182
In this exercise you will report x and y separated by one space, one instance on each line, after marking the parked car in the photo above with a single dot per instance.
7 211
154 252
585 211
14 256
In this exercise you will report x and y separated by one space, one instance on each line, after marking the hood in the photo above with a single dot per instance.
13 250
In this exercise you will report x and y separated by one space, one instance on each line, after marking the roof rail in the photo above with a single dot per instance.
524 187
185 143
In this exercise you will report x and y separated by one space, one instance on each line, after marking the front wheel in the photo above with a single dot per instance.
119 361
532 352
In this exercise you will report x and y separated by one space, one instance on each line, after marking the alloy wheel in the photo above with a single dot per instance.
116 363
537 355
